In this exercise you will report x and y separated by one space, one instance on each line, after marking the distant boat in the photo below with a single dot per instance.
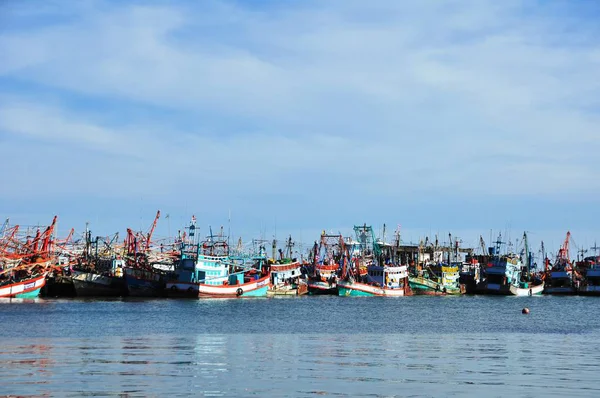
99 270
207 270
23 287
559 281
286 279
145 282
23 271
323 270
507 275
383 277
560 278
194 281
386 281
286 274
436 279
469 275
145 272
591 277
101 282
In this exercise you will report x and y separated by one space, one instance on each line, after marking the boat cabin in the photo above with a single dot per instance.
285 271
389 277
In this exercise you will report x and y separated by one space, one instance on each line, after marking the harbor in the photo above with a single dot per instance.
38 263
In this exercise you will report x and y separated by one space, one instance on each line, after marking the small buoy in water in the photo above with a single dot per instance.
525 311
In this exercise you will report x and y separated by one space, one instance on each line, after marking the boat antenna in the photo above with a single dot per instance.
595 248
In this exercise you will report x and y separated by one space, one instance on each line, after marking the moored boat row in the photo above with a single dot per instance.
360 265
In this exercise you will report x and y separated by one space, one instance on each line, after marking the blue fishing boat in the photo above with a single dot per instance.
590 269
146 283
206 269
507 275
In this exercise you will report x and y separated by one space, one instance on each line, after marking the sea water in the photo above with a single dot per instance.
302 347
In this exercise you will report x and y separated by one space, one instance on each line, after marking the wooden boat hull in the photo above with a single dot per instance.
256 288
468 283
58 286
300 290
494 289
320 287
28 288
142 283
529 291
589 290
423 286
357 289
562 291
93 285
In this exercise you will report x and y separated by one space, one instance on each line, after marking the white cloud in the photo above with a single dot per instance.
396 99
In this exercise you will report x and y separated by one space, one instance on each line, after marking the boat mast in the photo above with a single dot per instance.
595 248
527 260
449 248
543 249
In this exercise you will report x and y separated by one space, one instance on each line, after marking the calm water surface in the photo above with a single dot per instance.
308 346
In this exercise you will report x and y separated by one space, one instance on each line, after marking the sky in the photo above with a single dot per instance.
273 118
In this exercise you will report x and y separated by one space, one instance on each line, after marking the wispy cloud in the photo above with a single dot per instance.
360 101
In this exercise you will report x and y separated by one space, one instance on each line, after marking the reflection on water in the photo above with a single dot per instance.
293 365
465 346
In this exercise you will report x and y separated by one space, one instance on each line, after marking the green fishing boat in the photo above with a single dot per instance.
436 279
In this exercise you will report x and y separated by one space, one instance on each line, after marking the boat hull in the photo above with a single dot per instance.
144 283
320 287
93 285
495 289
256 288
530 291
299 290
562 291
28 288
58 286
423 286
589 290
357 289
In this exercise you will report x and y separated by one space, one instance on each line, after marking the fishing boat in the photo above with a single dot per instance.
323 274
207 270
590 269
99 269
469 275
386 281
24 282
560 277
384 276
437 277
286 273
507 275
146 271
59 282
104 279
286 279
209 276
146 283
24 265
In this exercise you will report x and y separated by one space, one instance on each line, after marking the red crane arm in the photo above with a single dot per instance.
151 232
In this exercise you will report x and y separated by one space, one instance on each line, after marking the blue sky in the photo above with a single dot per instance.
458 116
